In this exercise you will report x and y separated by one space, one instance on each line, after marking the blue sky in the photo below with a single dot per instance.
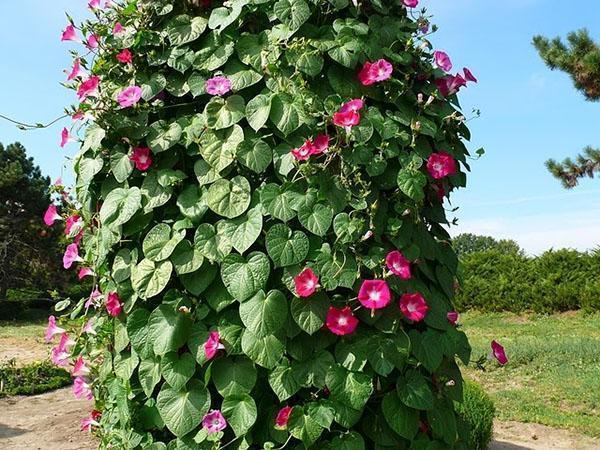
528 112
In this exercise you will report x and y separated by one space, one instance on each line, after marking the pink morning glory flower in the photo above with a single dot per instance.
129 96
88 88
499 353
94 4
92 41
450 84
213 422
125 56
440 165
218 85
283 417
320 144
69 34
469 75
302 153
80 368
306 283
91 421
142 158
374 294
375 72
51 215
410 3
65 137
118 29
348 115
88 328
81 389
71 256
310 147
212 345
73 225
341 321
442 60
452 317
398 264
113 304
85 272
94 298
75 71
60 354
413 306
52 329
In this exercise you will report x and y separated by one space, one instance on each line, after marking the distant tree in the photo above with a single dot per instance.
468 243
29 253
580 58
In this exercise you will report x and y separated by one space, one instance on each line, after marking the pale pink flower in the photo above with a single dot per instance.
52 329
142 158
440 165
88 88
85 272
94 4
398 264
283 417
442 60
125 56
92 420
129 96
81 389
65 137
212 345
92 41
71 256
51 215
374 294
499 353
60 354
413 306
341 321
375 72
118 29
73 225
214 422
80 368
306 283
94 299
88 328
219 85
75 71
113 304
69 34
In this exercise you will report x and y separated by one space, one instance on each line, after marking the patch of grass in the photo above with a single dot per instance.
32 379
553 375
11 329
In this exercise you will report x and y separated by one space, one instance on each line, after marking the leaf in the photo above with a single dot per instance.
338 269
286 247
183 29
310 312
229 198
428 348
349 388
284 382
316 218
218 147
245 277
196 83
284 113
182 411
443 421
149 279
186 258
168 330
120 205
411 183
160 242
223 113
149 375
242 231
414 391
191 203
120 166
154 194
240 412
402 419
304 427
137 330
213 246
222 17
348 441
152 86
277 201
265 352
292 12
163 135
255 154
258 110
264 314
233 376
177 369
94 135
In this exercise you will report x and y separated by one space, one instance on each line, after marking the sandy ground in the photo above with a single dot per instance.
531 436
24 349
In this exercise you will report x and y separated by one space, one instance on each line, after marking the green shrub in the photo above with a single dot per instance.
31 379
477 411
24 294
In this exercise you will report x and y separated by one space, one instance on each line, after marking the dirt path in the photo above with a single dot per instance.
531 436
25 349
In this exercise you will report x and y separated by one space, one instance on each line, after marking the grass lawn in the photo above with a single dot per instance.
15 329
553 374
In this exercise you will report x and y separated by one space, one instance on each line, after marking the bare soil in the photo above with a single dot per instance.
532 436
24 350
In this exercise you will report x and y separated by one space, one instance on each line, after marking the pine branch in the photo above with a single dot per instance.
587 164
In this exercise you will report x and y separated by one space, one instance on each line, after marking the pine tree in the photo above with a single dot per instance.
580 58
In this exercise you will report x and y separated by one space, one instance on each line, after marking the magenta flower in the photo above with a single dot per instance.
129 96
125 56
69 34
88 328
469 75
51 215
92 41
85 272
118 29
310 147
341 321
60 354
141 157
374 294
88 88
452 317
218 85
113 304
75 71
398 264
92 420
65 137
440 165
320 144
81 389
410 3
450 84
212 345
413 306
303 152
52 329
442 61
213 422
371 73
94 298
306 283
283 417
71 256
73 225
94 4
353 105
348 115
80 368
499 353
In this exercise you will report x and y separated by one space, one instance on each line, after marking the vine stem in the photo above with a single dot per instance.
29 126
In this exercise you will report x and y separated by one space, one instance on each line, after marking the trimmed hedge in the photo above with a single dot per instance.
557 280
35 378
477 411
